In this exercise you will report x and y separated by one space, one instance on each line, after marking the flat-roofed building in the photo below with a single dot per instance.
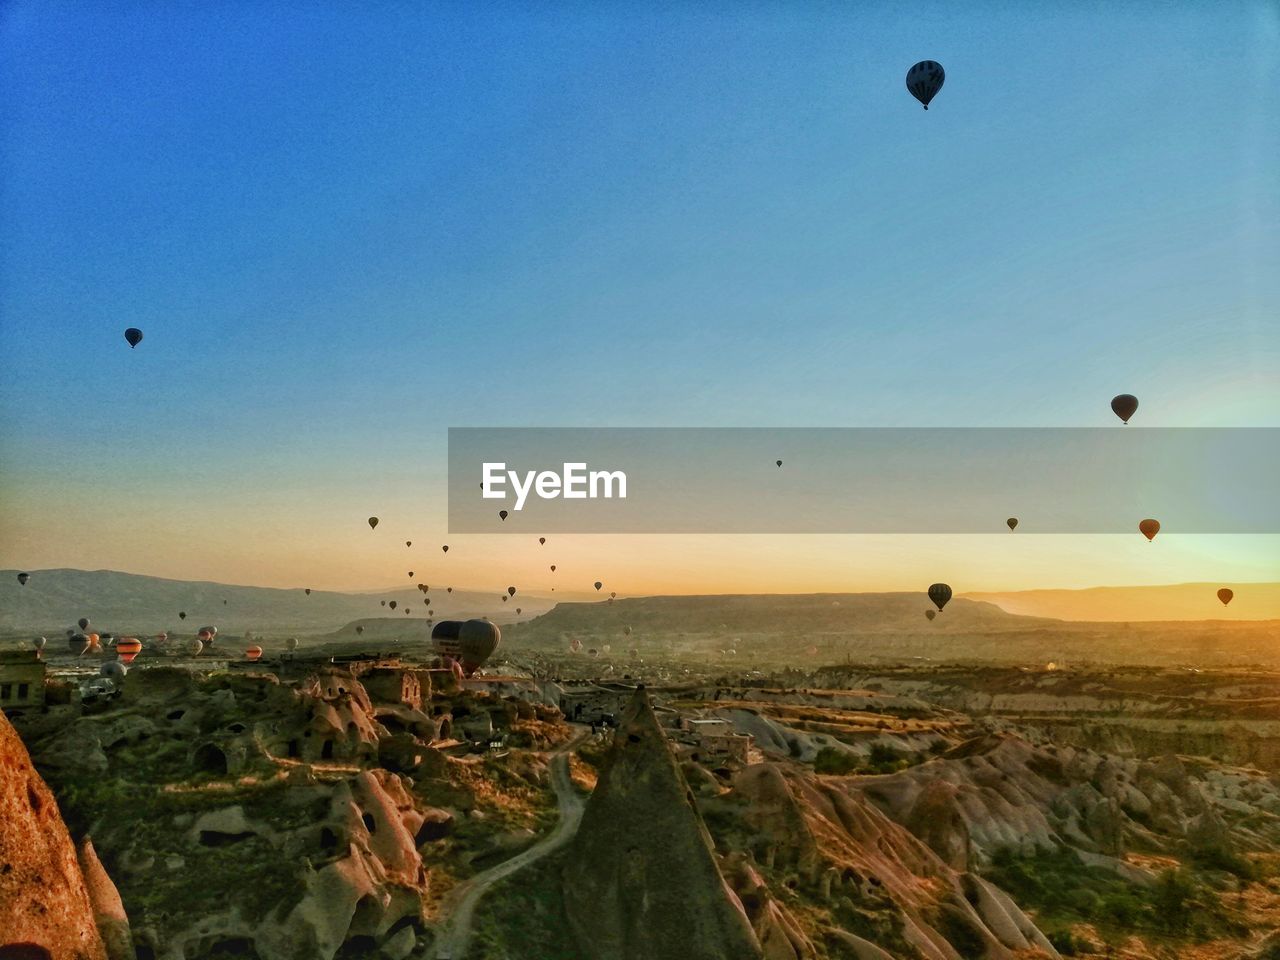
22 674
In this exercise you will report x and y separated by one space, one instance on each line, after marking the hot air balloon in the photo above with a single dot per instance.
612 595
445 548
511 591
448 589
182 614
23 578
39 643
195 647
134 336
626 631
1149 528
469 643
384 603
939 593
292 643
128 648
502 515
517 611
77 642
1124 406
1013 523
931 614
925 79
373 522
575 644
205 634
778 462
542 540
308 591
408 543
598 584
391 604
553 568
113 669
84 623
410 574
253 654
1225 595
162 636
359 629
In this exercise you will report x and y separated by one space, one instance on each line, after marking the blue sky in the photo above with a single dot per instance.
345 228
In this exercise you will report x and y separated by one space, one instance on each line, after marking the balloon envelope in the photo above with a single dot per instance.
373 522
1149 528
1124 406
1225 595
939 593
134 336
931 614
23 578
925 79
254 653
1013 523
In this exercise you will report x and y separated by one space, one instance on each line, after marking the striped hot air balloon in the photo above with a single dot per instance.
253 654
128 648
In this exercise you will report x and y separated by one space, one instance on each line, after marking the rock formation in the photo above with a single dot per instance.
643 882
44 903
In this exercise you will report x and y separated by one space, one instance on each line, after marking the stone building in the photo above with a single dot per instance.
22 674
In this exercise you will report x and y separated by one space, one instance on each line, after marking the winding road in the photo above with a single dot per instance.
458 908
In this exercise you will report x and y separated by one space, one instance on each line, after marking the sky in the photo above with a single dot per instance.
344 229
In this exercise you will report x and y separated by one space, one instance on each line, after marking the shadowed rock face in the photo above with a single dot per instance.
44 905
643 883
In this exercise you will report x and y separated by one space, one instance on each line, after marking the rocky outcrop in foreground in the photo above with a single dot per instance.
44 902
642 881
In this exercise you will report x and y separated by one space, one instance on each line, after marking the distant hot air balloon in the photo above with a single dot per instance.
925 79
445 548
134 336
517 611
359 629
408 543
292 643
1225 595
542 540
612 595
1149 528
931 614
511 591
1124 406
502 515
182 614
778 462
502 597
308 591
196 646
384 603
626 631
373 522
598 584
410 574
113 669
553 568
448 589
23 578
575 644
391 604
1013 523
39 643
84 623
128 648
939 593
253 654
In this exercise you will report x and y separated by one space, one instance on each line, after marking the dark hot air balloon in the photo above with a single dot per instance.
468 643
408 543
502 515
939 593
134 336
1149 528
542 540
553 568
113 669
1013 523
23 578
292 643
925 79
930 614
778 462
359 629
598 584
39 643
308 591
1124 406
445 548
391 604
1225 595
517 610
511 591
84 623
373 522
182 614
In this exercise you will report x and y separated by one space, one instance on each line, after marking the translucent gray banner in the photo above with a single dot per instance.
889 480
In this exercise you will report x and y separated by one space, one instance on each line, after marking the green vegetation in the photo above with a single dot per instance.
1060 889
527 909
882 759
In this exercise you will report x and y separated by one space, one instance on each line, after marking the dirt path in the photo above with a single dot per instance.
459 906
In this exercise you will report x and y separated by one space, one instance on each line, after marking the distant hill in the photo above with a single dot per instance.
53 600
1177 601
